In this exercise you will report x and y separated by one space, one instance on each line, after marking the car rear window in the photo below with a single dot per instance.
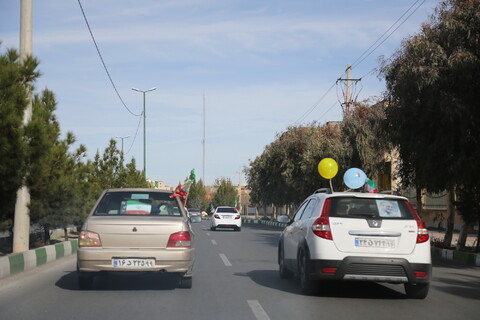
369 207
137 203
227 209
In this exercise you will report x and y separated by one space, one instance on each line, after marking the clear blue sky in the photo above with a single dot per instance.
261 64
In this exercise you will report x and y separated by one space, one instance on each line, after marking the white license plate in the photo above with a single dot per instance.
134 263
375 243
227 217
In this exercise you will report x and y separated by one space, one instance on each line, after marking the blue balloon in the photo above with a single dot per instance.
354 178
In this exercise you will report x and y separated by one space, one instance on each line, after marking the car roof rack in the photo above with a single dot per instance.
323 190
392 192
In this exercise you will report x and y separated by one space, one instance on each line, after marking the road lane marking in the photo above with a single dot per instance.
214 242
257 310
225 260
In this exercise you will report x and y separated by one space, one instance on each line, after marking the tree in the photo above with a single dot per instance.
226 193
15 76
109 171
286 172
197 196
432 92
53 175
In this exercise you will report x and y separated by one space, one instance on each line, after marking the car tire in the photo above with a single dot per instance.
239 228
417 290
307 285
185 282
283 272
213 228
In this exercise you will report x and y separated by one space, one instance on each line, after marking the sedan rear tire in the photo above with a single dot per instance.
185 282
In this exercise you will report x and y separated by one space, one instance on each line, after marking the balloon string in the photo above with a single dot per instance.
331 187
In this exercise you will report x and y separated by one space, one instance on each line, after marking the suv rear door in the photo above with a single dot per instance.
372 225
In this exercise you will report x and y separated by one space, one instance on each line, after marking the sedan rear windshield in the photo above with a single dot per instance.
227 209
137 203
369 207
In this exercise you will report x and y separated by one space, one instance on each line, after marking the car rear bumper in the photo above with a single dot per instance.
395 270
166 260
227 224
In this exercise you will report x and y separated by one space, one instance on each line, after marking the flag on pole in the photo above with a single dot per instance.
371 186
182 189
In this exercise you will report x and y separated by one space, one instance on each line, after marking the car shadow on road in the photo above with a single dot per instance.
122 282
336 289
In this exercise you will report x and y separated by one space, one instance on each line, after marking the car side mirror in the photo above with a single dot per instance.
195 219
283 219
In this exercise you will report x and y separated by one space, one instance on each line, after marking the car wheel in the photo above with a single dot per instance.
213 228
239 228
185 282
282 271
417 290
85 281
307 286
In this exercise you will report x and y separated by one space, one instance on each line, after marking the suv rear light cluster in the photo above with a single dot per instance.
321 226
422 233
179 240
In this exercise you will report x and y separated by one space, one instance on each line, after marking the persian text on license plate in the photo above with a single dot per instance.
137 263
375 243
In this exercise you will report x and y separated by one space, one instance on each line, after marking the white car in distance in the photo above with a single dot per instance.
226 217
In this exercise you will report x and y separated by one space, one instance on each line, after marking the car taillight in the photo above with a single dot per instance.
422 233
321 226
179 239
237 217
89 239
217 216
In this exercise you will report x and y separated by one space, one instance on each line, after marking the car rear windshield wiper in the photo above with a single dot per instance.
364 214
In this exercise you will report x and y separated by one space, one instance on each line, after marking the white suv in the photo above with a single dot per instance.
356 236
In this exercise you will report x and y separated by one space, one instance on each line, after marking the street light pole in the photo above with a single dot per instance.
122 141
144 130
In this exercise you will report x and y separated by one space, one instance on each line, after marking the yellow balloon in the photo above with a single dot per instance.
328 168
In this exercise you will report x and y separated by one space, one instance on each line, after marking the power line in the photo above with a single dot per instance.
103 62
364 55
135 136
360 59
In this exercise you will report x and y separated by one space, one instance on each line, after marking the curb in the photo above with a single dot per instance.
466 258
19 262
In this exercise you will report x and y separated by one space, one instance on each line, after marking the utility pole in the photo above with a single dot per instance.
21 226
144 130
122 141
203 142
348 104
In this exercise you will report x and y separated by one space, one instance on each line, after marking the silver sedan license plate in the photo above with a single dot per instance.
135 263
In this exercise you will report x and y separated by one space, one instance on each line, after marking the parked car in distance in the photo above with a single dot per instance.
226 217
136 230
356 236
193 212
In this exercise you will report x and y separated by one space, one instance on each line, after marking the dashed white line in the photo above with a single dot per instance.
214 242
225 260
257 310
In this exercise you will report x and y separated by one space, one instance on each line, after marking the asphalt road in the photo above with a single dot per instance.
235 278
